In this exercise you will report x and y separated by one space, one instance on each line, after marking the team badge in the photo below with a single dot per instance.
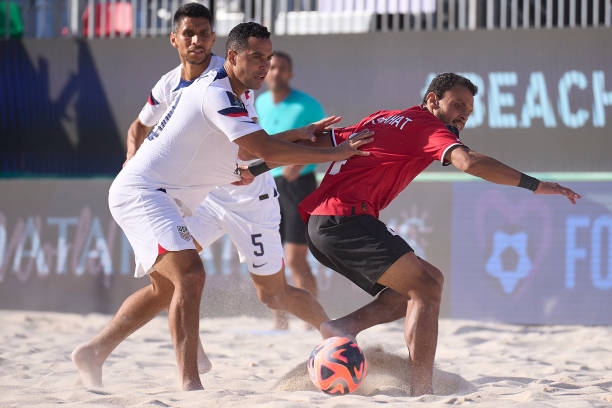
184 232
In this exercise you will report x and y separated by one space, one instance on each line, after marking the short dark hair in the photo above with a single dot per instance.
443 82
238 38
286 56
190 10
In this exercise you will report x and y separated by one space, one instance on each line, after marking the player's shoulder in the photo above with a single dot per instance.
423 120
216 82
418 111
377 117
218 93
170 77
215 64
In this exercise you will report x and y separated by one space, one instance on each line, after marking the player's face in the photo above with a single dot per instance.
455 106
253 63
279 75
194 40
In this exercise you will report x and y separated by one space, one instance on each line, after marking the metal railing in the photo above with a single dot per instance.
149 18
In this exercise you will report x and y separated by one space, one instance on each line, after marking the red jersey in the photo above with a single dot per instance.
405 143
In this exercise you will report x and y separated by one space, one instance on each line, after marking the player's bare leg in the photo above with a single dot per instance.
296 254
387 307
275 293
136 310
422 283
204 363
186 272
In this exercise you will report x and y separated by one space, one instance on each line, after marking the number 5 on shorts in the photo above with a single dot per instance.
259 245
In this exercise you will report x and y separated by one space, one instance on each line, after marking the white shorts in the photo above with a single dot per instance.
252 227
152 223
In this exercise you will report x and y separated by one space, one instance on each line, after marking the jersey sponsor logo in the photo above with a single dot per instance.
152 101
155 132
183 232
259 266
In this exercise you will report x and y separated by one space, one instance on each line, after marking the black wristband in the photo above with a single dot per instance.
258 168
528 182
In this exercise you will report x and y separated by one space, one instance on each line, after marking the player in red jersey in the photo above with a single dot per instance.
344 232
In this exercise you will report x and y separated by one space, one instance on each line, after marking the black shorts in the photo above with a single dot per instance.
292 228
360 247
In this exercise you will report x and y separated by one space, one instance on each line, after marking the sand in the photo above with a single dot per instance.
477 365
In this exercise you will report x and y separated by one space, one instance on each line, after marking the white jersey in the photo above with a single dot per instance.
166 89
190 151
162 95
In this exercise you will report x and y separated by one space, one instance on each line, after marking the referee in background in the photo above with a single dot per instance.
282 108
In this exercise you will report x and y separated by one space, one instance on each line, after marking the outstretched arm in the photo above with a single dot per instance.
135 136
273 150
497 172
310 135
346 149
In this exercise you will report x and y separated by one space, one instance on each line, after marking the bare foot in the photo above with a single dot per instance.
421 382
90 370
191 385
204 363
281 321
332 328
420 389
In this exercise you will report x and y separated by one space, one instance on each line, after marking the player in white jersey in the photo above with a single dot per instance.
189 152
248 214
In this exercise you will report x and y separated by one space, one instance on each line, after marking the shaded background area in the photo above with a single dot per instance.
56 113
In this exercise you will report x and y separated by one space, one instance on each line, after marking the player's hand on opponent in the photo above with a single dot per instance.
246 177
350 147
315 129
546 187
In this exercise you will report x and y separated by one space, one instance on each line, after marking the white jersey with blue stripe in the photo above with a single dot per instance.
190 150
162 95
166 89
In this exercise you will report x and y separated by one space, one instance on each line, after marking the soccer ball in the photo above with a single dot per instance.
337 366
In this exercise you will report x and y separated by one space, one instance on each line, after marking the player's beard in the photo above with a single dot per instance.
194 61
443 116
